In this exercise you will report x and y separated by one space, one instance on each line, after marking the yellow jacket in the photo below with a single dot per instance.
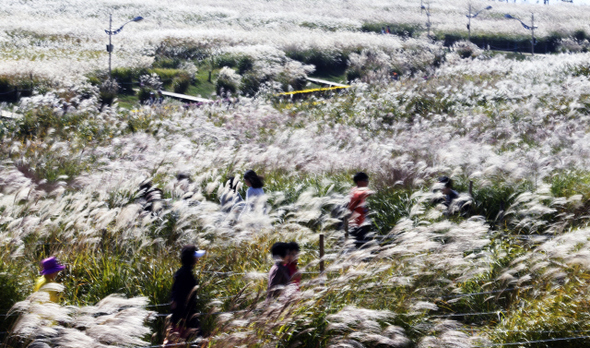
42 281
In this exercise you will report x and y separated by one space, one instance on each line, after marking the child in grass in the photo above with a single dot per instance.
254 192
255 184
357 222
50 268
293 251
449 194
279 276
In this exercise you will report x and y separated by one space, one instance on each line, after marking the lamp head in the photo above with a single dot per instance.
137 19
489 8
508 16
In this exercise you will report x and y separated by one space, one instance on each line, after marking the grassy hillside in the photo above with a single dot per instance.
491 273
508 265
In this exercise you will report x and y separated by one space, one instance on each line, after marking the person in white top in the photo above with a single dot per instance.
255 190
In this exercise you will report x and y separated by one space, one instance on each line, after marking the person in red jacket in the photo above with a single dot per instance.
357 222
293 253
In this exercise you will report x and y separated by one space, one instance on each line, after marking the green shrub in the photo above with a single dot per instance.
387 207
228 60
181 83
166 63
144 94
228 81
399 29
108 91
580 35
94 78
35 123
286 81
13 289
353 73
8 91
224 86
183 49
250 84
519 42
466 49
166 75
13 87
571 183
245 64
489 201
127 79
325 62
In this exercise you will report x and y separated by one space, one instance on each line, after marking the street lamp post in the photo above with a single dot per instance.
110 32
428 23
531 28
473 16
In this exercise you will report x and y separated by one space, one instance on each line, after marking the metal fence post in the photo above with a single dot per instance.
322 253
345 228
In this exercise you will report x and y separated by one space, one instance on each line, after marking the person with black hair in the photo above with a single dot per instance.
254 183
449 194
278 276
357 222
293 253
255 190
183 294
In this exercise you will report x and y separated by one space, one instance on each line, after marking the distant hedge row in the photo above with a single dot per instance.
517 43
13 87
521 43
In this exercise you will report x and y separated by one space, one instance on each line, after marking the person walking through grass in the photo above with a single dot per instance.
449 194
50 267
357 222
255 184
184 322
452 203
255 190
278 276
293 252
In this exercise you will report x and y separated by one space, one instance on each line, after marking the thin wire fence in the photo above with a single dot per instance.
482 346
185 344
454 315
5 314
535 342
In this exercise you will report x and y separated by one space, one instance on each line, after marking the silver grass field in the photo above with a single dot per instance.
508 265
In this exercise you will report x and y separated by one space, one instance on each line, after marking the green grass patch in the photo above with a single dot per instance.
332 77
128 101
201 86
399 29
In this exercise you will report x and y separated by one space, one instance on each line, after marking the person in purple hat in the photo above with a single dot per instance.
50 267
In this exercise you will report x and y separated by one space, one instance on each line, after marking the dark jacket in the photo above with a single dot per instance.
184 282
277 278
451 197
